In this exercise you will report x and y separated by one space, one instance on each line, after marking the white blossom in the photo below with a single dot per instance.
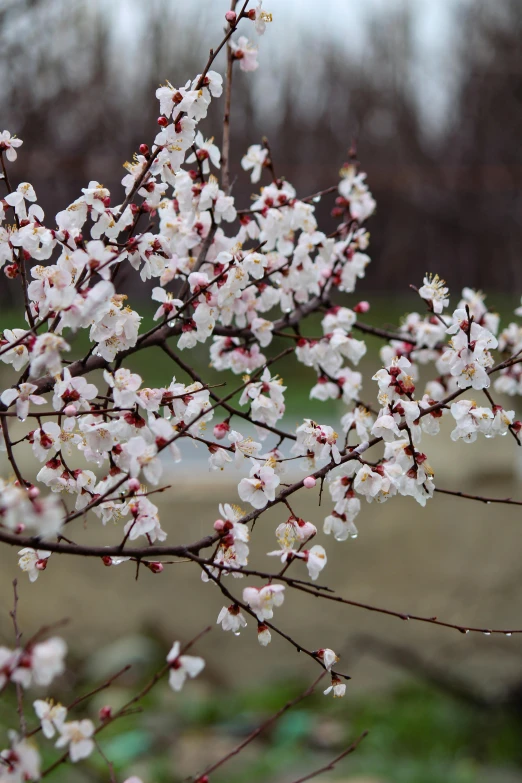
182 666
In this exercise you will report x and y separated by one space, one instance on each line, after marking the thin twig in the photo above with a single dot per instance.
355 744
257 731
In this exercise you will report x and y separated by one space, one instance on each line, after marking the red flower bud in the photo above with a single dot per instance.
155 567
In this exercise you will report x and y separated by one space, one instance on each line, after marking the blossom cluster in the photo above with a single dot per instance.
38 665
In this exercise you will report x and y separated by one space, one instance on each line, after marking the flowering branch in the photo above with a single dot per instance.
228 280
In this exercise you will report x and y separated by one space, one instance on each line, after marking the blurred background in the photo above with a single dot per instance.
432 95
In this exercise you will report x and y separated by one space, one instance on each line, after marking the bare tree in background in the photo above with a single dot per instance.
449 202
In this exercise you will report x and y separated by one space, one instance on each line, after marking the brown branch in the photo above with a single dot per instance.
299 647
18 636
257 731
106 551
312 197
328 594
386 334
225 147
229 408
481 498
355 744
10 456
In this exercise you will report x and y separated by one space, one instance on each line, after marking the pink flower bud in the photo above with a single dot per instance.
134 484
107 560
70 410
33 492
221 429
144 149
231 17
163 121
105 713
19 528
156 568
309 482
219 525
362 307
41 565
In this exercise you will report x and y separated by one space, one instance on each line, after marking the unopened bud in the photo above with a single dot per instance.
219 525
163 121
155 567
105 713
231 17
362 307
70 410
309 482
252 15
33 492
144 149
19 528
221 429
41 565
134 485
107 560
